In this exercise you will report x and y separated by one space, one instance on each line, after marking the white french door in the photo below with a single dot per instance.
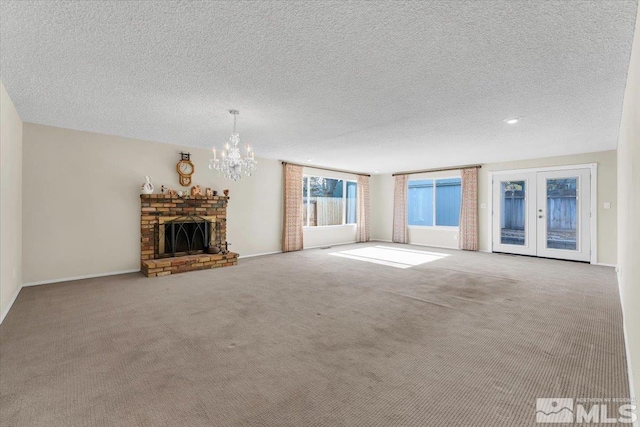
543 213
514 207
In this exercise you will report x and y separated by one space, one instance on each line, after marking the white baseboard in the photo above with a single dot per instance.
261 254
605 265
330 244
88 276
435 246
418 244
11 301
632 392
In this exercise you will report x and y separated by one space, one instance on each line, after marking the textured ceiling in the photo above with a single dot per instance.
376 86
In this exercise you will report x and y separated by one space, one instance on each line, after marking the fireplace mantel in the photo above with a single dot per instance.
156 209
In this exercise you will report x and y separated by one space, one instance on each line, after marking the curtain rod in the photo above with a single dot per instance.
324 169
437 170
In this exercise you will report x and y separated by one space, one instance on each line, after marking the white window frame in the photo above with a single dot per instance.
344 204
434 226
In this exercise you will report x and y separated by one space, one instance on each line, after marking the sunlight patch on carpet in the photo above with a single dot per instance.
390 256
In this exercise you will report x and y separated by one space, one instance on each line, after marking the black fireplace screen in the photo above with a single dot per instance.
182 236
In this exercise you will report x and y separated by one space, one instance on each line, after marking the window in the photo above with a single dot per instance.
352 193
440 207
421 202
328 201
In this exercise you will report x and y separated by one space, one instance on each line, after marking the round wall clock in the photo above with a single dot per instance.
185 170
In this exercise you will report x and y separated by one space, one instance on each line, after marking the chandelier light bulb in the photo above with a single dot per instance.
232 164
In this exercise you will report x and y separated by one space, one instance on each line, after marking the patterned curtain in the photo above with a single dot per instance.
400 209
469 210
362 232
292 210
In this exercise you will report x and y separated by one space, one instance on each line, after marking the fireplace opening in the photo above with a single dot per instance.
183 236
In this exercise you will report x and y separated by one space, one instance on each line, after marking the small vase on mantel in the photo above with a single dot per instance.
147 187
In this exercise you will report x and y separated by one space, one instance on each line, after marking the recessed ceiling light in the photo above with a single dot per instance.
309 160
375 171
512 120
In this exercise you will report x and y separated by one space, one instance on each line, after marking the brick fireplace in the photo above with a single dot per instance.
176 231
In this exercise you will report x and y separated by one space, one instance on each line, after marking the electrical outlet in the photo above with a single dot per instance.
483 206
607 205
455 237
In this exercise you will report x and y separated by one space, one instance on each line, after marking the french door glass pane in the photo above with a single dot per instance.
513 215
562 217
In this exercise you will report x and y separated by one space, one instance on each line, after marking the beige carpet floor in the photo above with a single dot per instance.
314 339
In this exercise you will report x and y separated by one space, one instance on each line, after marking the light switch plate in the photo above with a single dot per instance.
483 206
607 205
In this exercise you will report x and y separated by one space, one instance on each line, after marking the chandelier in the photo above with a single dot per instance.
231 163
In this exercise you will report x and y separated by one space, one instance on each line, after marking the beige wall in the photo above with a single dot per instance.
82 206
382 203
629 210
10 202
81 197
381 200
331 235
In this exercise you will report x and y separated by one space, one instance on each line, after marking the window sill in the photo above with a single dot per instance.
314 227
435 227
